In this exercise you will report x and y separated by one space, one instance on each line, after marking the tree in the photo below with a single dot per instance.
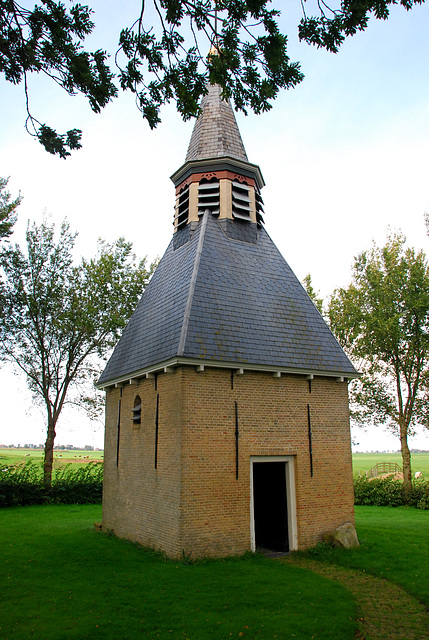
314 295
7 210
59 319
382 320
158 63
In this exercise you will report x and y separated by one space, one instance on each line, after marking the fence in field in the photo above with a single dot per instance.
383 467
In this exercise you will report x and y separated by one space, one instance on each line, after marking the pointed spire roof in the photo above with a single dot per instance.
215 134
223 295
226 300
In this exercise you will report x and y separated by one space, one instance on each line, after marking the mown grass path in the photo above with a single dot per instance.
386 611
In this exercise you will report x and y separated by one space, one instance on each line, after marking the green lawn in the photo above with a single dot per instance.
363 462
60 579
394 545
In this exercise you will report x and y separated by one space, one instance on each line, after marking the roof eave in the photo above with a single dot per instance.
170 364
210 164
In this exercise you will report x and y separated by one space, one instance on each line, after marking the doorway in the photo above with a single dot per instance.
270 506
273 503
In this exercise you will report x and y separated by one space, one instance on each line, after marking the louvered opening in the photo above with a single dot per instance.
241 208
137 411
183 208
209 197
259 207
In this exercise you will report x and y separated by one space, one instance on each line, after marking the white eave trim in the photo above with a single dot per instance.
168 366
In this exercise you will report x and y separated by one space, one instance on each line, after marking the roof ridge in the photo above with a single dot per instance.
187 314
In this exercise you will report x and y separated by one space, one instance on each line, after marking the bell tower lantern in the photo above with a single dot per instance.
217 176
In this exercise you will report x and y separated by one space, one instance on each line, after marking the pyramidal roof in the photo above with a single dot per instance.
215 134
222 294
217 299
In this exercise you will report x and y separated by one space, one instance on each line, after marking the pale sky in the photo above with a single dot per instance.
344 157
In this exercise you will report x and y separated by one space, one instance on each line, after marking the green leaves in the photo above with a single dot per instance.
7 209
48 39
164 59
59 144
382 320
314 295
334 24
59 317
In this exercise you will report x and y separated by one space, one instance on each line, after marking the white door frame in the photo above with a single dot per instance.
290 497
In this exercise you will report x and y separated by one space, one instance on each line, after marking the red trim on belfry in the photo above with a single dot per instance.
220 175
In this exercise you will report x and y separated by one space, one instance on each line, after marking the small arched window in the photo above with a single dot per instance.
137 411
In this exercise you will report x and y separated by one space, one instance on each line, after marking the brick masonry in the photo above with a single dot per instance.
192 501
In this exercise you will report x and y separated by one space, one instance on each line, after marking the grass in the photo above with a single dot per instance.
60 579
394 545
363 462
12 455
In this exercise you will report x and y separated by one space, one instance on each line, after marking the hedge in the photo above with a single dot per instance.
22 484
389 492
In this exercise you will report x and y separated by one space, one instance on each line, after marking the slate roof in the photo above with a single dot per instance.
215 134
223 293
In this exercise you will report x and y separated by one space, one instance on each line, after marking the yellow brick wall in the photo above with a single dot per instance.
142 503
193 501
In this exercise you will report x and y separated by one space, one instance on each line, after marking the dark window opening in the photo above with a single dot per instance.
241 208
209 196
259 207
137 411
270 506
183 207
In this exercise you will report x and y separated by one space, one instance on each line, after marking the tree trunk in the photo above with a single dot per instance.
406 456
49 454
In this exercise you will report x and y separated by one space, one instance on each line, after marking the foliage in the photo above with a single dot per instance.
389 492
382 321
48 38
89 584
81 484
59 320
22 484
314 295
7 210
335 24
161 57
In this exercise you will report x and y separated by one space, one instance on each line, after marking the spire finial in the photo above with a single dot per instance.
214 49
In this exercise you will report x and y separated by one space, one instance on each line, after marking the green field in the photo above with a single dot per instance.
13 456
363 462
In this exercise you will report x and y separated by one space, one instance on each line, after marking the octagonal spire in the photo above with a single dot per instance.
215 134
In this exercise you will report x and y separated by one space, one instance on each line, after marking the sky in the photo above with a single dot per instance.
344 156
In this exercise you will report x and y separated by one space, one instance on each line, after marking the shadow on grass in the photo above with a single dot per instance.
61 579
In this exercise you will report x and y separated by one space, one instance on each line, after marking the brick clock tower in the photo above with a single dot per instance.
227 419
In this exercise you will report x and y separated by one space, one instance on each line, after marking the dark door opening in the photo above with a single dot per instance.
270 506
